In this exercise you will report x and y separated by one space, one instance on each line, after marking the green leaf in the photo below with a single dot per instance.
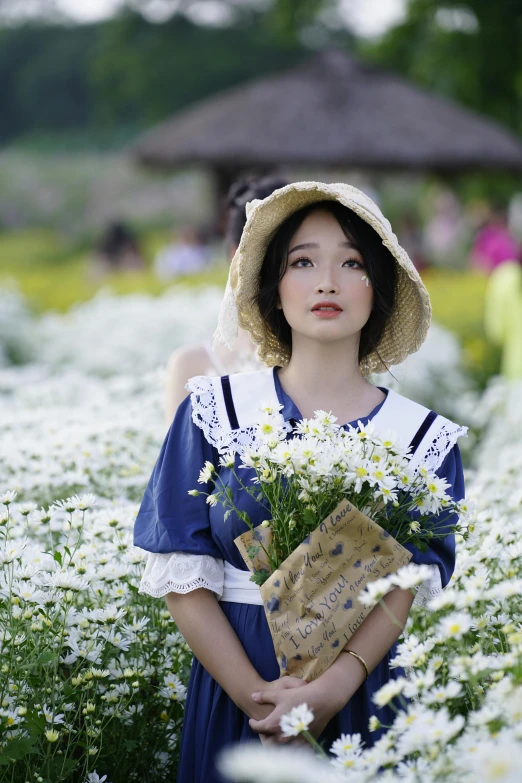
19 747
260 577
58 557
68 766
227 514
46 657
252 551
310 518
34 722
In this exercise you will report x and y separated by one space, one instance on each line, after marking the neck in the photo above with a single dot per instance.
324 371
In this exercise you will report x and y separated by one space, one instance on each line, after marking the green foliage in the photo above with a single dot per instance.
43 75
259 577
208 59
103 713
480 66
126 73
288 18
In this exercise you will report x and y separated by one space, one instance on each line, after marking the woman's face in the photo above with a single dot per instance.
325 293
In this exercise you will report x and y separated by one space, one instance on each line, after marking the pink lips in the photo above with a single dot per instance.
333 311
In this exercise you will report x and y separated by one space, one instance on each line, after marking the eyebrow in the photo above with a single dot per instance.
315 246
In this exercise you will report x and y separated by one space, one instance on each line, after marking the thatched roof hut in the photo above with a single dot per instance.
330 111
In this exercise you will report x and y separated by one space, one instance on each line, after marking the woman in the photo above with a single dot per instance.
325 291
201 359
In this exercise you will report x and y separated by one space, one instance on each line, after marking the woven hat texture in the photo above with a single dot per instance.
406 329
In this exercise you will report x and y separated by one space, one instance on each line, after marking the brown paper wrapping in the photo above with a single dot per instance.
311 600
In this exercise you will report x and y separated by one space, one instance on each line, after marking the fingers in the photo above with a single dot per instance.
290 682
285 683
261 726
268 725
275 738
265 697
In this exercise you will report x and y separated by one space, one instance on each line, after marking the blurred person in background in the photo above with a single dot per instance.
186 255
503 316
118 251
443 230
409 233
188 361
494 243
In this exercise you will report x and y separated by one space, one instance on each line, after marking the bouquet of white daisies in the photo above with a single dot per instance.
340 503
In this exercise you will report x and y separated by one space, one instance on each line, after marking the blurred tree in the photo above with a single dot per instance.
43 75
469 50
153 58
289 18
130 71
286 18
143 71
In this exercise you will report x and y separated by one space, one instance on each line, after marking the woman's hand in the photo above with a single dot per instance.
322 703
283 683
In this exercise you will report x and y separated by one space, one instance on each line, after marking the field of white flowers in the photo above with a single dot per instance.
93 674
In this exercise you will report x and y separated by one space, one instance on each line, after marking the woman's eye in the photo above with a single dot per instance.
353 263
301 262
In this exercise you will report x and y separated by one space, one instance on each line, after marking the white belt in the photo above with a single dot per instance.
238 588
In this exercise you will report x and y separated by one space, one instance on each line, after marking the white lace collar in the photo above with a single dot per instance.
226 408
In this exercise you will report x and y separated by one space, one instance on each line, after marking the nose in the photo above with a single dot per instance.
327 287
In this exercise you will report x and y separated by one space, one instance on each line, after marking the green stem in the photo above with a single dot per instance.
315 745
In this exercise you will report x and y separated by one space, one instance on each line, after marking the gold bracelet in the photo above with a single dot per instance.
361 660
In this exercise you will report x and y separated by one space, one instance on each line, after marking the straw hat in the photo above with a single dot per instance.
406 329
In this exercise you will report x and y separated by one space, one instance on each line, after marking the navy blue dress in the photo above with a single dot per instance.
170 520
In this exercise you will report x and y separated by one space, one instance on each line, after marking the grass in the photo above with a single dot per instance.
52 273
457 298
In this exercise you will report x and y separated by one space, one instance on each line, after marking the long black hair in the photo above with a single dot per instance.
379 266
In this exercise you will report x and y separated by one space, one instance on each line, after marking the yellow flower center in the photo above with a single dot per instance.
498 770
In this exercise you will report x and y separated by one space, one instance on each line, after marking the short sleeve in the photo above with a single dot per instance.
441 551
174 526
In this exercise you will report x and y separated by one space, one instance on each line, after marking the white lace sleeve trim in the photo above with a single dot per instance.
441 445
428 589
178 572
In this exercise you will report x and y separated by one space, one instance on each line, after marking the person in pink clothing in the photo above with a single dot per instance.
494 243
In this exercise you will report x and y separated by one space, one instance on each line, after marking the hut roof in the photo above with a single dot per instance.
331 110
